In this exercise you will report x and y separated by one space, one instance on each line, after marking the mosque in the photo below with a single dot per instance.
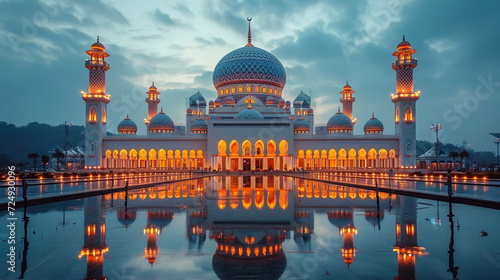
249 126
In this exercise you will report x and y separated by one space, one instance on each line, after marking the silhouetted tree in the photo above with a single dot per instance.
463 154
34 156
454 155
58 155
45 161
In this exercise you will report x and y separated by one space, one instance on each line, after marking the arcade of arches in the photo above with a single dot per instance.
248 156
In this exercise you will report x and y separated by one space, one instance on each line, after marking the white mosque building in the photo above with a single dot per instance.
249 126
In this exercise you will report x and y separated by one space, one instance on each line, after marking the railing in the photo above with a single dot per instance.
96 63
404 62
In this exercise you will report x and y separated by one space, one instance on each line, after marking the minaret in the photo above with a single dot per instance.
347 99
94 243
405 103
153 100
96 101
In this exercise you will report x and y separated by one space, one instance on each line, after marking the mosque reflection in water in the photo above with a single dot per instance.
249 218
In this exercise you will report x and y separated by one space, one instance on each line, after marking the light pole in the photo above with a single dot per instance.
66 134
437 127
497 141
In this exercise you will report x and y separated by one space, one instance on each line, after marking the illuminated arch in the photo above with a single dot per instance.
332 158
383 158
162 158
123 154
397 115
234 148
362 158
259 148
264 90
372 157
104 115
283 148
222 147
408 114
271 148
133 158
240 88
93 114
342 158
256 89
352 158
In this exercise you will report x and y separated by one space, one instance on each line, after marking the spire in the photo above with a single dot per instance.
161 111
373 115
127 117
249 44
339 110
153 83
97 39
403 37
346 82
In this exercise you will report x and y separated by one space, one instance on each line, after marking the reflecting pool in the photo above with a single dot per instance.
260 227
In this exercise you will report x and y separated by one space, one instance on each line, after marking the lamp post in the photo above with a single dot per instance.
437 127
497 141
66 134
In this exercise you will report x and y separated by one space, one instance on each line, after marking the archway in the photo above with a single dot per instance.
362 158
352 158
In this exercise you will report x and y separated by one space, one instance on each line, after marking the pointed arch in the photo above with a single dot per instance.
222 147
362 158
332 158
342 158
352 158
234 148
283 148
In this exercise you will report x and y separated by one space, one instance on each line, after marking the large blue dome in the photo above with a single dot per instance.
373 125
127 126
339 123
249 65
161 123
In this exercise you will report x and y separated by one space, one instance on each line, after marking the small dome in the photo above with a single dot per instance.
153 88
339 123
281 102
97 45
347 87
199 125
373 125
214 117
161 123
301 125
404 44
341 217
249 114
127 126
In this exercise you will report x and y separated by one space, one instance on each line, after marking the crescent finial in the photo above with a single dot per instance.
249 18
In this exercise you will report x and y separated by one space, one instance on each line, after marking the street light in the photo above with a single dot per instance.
437 127
66 133
497 141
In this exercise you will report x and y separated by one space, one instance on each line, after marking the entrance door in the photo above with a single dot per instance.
247 164
270 164
234 164
258 164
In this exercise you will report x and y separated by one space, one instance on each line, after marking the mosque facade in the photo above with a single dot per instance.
249 126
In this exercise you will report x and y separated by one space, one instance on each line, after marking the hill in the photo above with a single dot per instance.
18 142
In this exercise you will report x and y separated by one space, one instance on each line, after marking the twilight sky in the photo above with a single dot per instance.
321 44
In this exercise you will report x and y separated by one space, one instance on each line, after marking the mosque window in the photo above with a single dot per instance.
93 115
240 89
264 90
397 115
249 89
233 90
227 90
270 90
256 89
408 114
104 116
221 92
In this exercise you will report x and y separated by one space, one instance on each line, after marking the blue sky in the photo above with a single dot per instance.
320 43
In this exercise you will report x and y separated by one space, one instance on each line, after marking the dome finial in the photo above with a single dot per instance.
403 37
339 110
373 115
98 39
249 44
153 83
161 111
346 82
127 117
249 105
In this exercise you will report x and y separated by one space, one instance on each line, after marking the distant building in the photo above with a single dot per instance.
249 126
